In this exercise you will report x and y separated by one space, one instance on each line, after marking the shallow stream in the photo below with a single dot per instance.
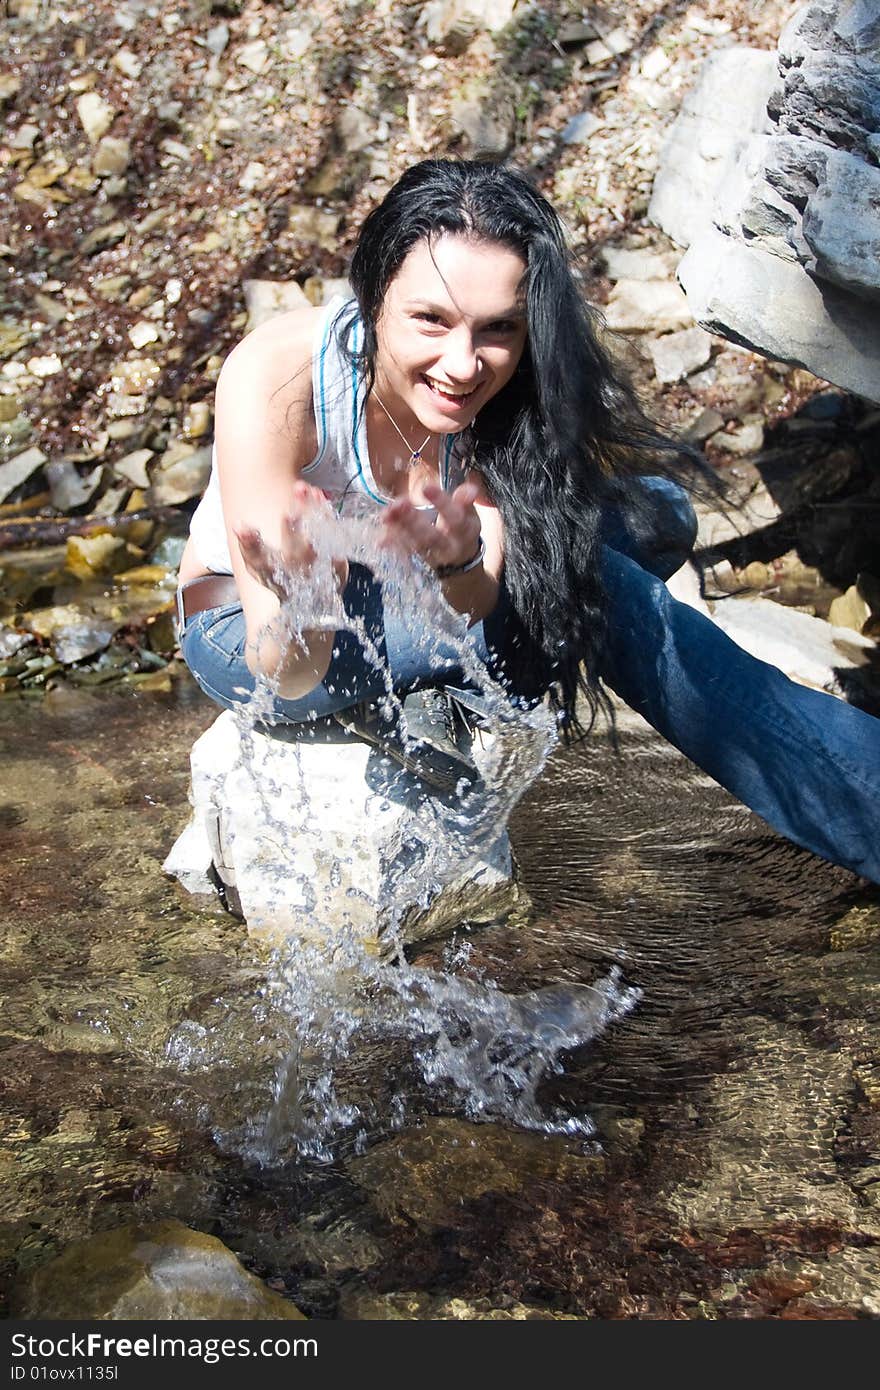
723 1155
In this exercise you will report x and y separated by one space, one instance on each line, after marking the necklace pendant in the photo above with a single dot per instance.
415 458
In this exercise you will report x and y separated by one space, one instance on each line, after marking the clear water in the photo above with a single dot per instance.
733 1167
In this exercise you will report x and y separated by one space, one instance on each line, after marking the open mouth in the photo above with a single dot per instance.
456 398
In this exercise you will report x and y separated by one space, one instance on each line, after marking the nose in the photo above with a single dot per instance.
461 362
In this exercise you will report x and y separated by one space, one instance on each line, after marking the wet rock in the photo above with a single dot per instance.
678 354
69 489
151 1272
73 633
17 470
357 1305
789 1101
647 306
426 1175
343 864
89 556
180 474
266 298
859 927
96 115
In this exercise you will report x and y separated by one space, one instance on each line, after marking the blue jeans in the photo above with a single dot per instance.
806 762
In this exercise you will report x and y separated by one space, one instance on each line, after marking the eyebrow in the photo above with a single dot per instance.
517 312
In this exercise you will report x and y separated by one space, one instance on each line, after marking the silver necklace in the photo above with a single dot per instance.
415 456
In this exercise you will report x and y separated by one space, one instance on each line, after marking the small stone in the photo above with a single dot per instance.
253 56
196 419
226 129
142 333
17 470
184 477
217 38
266 298
647 306
654 63
859 607
49 170
133 467
708 422
633 263
111 157
68 488
45 366
176 149
296 43
580 128
255 176
9 85
173 290
311 224
746 438
23 138
678 354
102 237
90 556
598 53
96 115
127 63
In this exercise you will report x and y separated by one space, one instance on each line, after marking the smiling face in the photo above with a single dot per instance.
451 331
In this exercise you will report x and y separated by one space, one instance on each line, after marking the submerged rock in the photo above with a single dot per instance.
156 1271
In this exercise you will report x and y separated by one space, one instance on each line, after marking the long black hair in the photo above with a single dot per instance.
563 440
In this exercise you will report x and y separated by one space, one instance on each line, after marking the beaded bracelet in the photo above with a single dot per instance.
449 571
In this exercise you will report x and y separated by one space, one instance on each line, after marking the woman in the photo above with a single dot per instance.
465 393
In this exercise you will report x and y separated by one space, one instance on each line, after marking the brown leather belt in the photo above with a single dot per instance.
208 591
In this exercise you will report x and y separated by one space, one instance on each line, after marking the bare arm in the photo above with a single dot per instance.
265 436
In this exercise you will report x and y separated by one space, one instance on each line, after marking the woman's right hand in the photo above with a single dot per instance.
276 566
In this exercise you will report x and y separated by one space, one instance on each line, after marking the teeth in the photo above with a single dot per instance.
444 391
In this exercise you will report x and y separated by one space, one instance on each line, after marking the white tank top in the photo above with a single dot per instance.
341 467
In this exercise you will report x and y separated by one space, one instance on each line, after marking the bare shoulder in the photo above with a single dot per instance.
274 358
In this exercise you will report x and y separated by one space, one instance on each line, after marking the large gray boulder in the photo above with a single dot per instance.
778 201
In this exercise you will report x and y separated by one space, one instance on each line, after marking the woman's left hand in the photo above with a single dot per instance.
452 539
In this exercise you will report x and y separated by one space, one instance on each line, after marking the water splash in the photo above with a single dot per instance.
329 1002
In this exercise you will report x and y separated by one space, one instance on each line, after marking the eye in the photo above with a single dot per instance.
424 316
502 327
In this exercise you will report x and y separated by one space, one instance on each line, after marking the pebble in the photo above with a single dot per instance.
45 366
96 115
127 63
253 56
142 333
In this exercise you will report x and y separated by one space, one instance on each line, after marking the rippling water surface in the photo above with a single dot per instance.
715 1145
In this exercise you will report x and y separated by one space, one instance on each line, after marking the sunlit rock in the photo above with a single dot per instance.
17 470
647 306
88 556
152 1272
68 488
312 838
180 474
266 298
96 115
809 650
